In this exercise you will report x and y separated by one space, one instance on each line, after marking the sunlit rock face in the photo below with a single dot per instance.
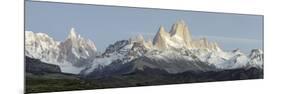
180 37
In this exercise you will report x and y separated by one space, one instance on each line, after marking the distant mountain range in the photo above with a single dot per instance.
172 52
72 55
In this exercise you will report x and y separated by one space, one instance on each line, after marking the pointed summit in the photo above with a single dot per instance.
180 37
161 34
160 39
72 34
180 30
162 31
181 21
255 51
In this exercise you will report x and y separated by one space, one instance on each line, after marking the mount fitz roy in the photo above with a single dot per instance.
173 53
179 37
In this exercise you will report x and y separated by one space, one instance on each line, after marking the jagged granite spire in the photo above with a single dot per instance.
180 29
72 33
160 38
180 37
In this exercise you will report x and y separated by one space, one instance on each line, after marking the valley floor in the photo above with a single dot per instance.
53 82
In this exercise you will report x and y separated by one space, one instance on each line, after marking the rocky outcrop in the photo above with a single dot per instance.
256 58
203 43
140 39
36 66
75 51
180 32
179 37
160 39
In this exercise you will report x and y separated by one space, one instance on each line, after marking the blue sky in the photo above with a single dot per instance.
104 25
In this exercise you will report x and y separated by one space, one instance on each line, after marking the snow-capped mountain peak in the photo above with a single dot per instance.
72 34
75 48
255 52
179 29
40 45
71 55
179 37
173 51
160 39
256 58
77 40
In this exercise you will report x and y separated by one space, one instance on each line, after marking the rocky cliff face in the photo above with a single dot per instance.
173 52
160 40
179 37
40 45
74 53
203 43
180 32
76 50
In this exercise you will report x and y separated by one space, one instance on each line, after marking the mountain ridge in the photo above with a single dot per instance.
180 37
71 55
173 48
